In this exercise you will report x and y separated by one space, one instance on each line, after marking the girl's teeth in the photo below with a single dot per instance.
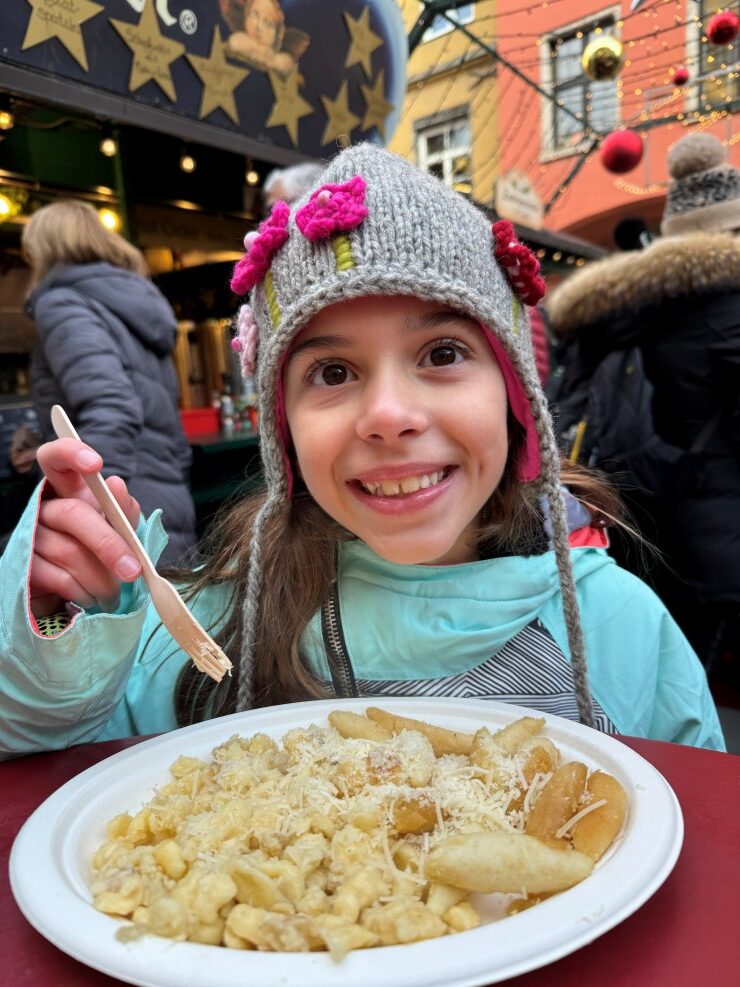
409 484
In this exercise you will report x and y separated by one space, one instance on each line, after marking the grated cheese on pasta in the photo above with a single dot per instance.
298 845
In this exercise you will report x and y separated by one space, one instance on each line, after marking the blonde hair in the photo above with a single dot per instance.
70 232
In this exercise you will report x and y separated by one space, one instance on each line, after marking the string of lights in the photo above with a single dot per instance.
639 99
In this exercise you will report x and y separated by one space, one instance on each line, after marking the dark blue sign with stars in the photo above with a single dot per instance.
301 74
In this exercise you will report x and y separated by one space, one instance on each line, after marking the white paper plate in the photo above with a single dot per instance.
49 867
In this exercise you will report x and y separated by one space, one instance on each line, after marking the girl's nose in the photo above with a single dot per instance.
391 408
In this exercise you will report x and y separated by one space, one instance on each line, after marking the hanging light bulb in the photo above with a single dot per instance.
187 162
252 176
7 117
108 146
110 219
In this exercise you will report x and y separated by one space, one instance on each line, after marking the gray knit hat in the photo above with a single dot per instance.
379 226
704 194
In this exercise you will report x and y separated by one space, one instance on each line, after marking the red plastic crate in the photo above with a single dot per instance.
200 421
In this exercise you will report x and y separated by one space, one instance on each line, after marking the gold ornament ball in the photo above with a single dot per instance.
603 58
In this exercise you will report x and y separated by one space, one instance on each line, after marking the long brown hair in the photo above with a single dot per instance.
299 571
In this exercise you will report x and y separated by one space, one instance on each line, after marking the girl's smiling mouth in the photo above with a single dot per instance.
406 484
402 485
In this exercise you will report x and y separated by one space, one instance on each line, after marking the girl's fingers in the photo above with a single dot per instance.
63 461
85 571
50 582
83 523
130 506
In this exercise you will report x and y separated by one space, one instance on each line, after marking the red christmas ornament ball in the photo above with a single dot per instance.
681 76
621 151
723 27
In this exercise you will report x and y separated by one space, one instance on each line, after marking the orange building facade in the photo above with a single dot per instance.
550 150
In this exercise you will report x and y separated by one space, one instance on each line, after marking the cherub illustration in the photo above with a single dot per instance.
259 36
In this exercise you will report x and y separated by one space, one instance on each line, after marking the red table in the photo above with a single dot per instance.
685 936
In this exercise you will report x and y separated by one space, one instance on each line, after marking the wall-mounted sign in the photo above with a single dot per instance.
300 74
517 200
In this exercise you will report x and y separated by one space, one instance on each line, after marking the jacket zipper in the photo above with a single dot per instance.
340 666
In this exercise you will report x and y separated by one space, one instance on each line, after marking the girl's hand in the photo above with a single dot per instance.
77 556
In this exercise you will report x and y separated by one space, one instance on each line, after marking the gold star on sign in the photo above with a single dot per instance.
377 105
153 53
340 120
50 19
289 106
219 79
364 41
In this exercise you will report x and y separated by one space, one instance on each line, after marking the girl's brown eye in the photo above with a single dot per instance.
334 373
441 356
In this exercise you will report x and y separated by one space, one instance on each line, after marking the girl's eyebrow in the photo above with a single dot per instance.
318 343
434 320
412 324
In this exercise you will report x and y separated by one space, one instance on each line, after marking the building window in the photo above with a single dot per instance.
720 81
444 149
440 25
591 104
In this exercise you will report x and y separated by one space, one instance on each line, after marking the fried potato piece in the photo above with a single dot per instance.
557 803
355 726
414 814
507 862
484 754
541 758
443 741
594 833
511 737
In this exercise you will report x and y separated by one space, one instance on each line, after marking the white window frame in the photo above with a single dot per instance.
694 47
444 27
448 154
548 152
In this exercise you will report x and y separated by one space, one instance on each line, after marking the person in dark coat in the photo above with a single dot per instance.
105 341
679 300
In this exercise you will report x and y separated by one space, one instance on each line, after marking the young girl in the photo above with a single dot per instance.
412 537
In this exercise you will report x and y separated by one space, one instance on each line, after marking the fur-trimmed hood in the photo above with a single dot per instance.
698 263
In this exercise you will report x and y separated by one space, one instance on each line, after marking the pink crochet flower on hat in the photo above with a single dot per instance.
245 342
520 265
333 209
261 246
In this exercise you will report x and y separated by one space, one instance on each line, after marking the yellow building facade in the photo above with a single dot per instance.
449 121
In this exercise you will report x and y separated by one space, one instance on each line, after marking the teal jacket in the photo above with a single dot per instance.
112 675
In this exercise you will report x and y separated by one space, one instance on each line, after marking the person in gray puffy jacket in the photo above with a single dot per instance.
105 341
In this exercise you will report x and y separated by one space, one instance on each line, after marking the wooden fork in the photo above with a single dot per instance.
179 621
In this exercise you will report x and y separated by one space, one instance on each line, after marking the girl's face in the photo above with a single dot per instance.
261 22
397 412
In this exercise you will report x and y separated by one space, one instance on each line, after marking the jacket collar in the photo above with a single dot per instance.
698 263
